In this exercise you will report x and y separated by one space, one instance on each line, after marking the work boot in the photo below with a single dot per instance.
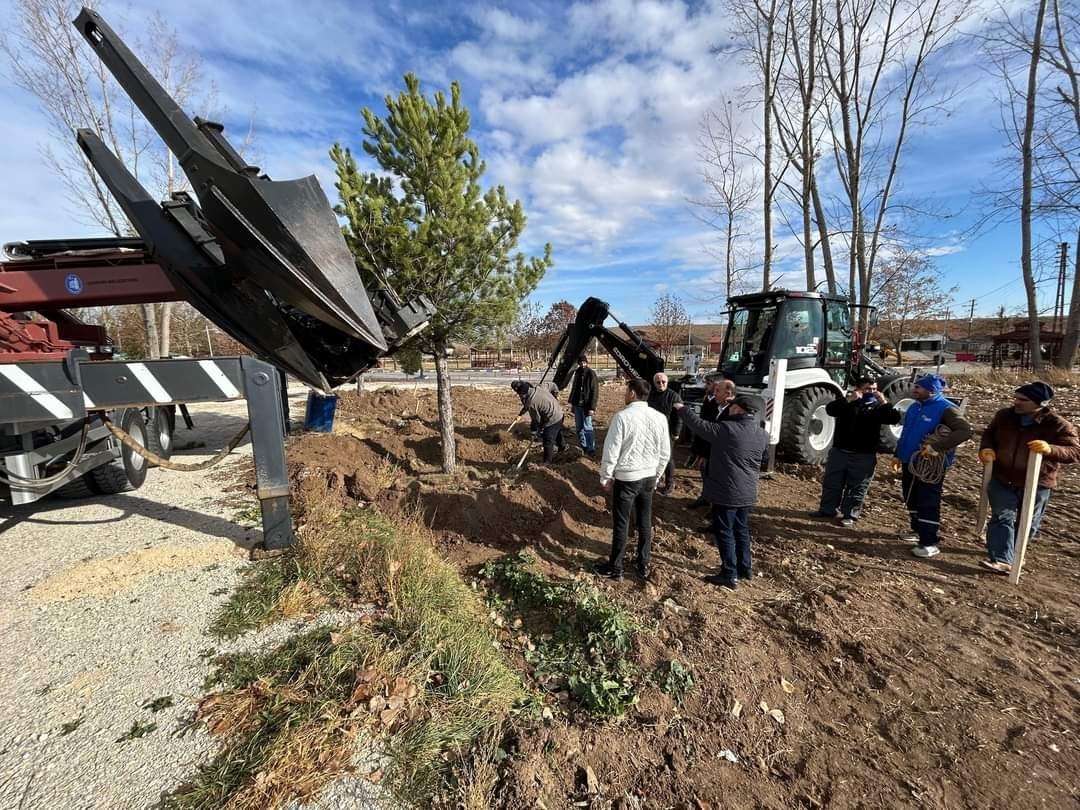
722 581
605 569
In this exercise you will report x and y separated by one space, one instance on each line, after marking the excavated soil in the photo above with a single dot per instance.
900 682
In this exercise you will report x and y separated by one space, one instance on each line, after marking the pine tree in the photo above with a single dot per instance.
424 226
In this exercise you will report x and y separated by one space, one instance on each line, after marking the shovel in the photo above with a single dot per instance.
984 499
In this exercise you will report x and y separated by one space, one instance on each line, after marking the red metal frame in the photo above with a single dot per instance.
48 286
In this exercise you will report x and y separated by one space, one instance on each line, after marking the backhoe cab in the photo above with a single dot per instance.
813 332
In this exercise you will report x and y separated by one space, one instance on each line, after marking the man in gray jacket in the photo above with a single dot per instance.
545 413
737 447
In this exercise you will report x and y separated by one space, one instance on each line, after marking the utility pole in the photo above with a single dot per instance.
944 341
1059 297
971 317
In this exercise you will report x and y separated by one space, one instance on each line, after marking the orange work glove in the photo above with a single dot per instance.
928 451
987 455
897 465
1039 446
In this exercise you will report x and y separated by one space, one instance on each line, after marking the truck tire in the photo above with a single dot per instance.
806 432
129 471
898 393
160 428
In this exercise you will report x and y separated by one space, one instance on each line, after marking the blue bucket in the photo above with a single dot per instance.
319 415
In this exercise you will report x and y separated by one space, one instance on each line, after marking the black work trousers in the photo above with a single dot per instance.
553 438
632 498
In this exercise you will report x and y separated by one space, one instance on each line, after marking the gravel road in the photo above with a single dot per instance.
104 605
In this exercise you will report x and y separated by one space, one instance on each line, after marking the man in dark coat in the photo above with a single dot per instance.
1028 426
737 447
663 399
584 393
545 414
718 395
853 456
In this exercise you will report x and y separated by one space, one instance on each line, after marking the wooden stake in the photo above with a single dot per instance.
1027 512
984 499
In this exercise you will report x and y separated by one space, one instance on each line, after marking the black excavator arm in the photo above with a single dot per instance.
635 357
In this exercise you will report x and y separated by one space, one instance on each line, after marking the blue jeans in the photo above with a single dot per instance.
585 436
924 507
847 479
732 530
1005 503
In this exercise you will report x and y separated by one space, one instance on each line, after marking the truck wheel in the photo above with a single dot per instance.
160 427
129 471
806 432
898 393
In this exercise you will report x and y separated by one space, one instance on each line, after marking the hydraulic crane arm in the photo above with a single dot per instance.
635 357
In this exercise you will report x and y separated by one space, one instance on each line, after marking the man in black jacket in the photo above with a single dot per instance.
737 447
718 395
853 457
584 392
663 399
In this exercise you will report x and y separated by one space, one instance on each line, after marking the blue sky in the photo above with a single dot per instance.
587 112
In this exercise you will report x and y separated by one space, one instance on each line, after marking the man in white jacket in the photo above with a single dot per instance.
636 452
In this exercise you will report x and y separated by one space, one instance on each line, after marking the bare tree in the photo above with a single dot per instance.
733 189
670 322
909 298
758 29
877 56
1027 170
48 60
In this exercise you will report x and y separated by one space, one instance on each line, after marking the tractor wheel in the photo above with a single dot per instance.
898 393
160 427
129 471
806 432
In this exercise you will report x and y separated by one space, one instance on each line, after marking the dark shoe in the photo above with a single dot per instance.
747 574
644 573
698 503
604 569
722 581
822 515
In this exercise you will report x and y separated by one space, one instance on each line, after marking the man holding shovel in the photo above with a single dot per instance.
1029 426
545 414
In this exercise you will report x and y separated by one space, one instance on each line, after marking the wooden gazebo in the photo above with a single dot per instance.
1012 349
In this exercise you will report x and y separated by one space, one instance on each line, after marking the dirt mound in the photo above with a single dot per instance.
848 674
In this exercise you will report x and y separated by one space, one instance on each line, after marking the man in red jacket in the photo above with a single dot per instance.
1028 426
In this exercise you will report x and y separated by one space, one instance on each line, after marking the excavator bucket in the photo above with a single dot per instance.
274 243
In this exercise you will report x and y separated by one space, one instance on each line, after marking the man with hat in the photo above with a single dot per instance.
922 441
737 447
1028 426
545 413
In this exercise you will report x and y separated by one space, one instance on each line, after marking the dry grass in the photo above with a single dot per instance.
422 677
300 599
1012 379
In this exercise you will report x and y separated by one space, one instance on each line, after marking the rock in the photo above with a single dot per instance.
592 784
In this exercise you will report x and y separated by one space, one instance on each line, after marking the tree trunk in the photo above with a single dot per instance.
150 332
446 409
769 86
166 328
1071 342
1028 162
823 237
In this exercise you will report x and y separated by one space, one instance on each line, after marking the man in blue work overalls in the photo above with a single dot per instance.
924 453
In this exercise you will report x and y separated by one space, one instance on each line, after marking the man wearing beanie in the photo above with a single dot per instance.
920 438
1028 426
545 415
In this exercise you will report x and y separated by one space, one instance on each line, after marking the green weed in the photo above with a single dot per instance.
675 679
138 729
70 726
591 639
159 704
